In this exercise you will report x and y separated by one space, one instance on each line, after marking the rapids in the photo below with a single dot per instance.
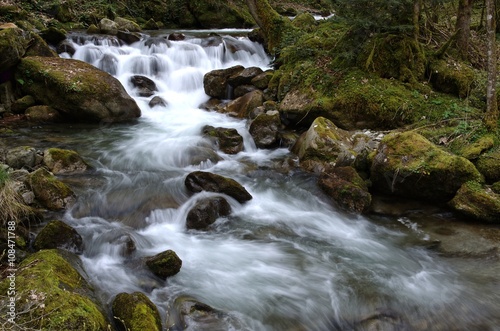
286 260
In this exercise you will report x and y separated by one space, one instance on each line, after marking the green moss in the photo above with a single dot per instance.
50 191
452 77
53 294
135 312
478 202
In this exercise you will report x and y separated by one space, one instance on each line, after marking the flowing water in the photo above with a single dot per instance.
287 259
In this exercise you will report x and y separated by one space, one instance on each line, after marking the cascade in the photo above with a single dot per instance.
287 259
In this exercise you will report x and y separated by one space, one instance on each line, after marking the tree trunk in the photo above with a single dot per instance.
417 7
491 117
463 26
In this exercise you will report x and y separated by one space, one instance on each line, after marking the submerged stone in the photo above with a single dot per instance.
206 212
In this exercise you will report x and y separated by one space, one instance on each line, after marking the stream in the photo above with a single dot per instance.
286 260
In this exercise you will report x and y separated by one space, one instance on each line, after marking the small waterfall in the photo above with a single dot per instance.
287 259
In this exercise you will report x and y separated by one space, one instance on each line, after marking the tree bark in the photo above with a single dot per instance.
463 26
491 116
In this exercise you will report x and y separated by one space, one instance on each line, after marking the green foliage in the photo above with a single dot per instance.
4 176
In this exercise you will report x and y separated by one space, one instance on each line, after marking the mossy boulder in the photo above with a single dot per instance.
408 165
324 145
20 105
39 47
346 188
264 129
206 212
135 312
127 25
164 264
305 22
49 191
227 140
62 161
54 295
215 81
57 234
108 26
452 77
198 181
478 202
13 45
77 90
53 35
474 150
42 114
489 165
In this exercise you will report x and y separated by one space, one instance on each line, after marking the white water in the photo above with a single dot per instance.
286 260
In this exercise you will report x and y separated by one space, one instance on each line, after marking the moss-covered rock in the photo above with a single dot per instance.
324 145
21 104
305 22
489 165
127 25
39 47
61 161
241 107
77 90
108 26
408 165
478 202
215 81
198 181
227 140
53 295
49 191
13 45
206 212
135 312
451 77
42 114
53 35
347 188
57 234
265 129
474 150
164 264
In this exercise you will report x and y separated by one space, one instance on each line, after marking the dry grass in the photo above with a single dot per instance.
12 207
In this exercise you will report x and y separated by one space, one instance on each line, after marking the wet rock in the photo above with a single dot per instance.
262 80
128 37
347 188
206 212
135 312
190 314
50 192
198 181
197 155
146 86
408 165
176 36
108 63
215 82
157 101
47 282
57 234
42 114
227 140
20 105
244 77
156 41
243 106
476 201
64 161
21 157
164 264
324 145
384 320
77 90
265 129
243 89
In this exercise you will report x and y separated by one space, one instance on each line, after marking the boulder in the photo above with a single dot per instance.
324 145
42 114
488 164
135 312
474 150
262 80
191 314
146 87
241 90
215 82
244 77
63 161
77 90
57 234
39 47
347 188
157 101
127 25
198 181
93 29
13 45
452 77
55 294
164 264
20 105
243 106
227 140
176 36
108 26
206 212
265 129
21 157
408 165
53 35
128 37
49 191
478 202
